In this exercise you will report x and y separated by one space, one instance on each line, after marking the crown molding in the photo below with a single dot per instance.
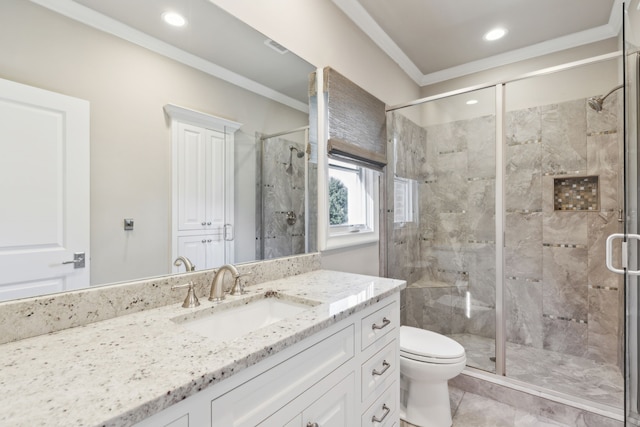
354 10
176 112
561 43
103 23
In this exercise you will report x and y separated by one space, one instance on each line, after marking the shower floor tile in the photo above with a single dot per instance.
576 376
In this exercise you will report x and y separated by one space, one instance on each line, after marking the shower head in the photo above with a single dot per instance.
596 101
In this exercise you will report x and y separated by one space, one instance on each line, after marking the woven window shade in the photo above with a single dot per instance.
357 126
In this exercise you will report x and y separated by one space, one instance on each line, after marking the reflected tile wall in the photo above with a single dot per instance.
282 190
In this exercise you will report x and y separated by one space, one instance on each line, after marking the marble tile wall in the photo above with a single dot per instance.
281 189
448 254
558 294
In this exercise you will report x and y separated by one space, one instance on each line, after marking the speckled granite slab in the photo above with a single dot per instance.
119 371
29 317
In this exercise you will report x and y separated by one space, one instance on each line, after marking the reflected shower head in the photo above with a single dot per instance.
596 101
299 153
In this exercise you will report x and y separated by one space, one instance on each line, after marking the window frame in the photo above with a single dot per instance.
341 236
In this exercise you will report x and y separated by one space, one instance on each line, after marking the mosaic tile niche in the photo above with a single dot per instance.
576 194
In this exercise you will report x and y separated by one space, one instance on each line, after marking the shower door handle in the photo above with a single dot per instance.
609 253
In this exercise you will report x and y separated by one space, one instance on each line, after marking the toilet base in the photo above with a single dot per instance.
425 404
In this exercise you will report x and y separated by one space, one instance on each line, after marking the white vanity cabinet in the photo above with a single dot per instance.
345 375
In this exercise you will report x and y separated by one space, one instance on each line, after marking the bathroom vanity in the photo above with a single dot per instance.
334 361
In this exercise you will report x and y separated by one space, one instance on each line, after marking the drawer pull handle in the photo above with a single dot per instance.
385 322
385 365
310 424
386 410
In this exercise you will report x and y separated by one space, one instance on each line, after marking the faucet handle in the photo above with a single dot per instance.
191 300
238 288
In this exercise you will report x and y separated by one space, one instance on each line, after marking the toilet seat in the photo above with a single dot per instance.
429 347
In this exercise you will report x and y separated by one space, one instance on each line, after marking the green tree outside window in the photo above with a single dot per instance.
338 207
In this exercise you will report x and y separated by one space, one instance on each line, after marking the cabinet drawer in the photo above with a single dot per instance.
378 368
257 399
378 324
384 411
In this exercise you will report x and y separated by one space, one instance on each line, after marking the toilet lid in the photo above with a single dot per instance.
420 342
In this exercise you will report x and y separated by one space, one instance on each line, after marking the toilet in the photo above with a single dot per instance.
427 361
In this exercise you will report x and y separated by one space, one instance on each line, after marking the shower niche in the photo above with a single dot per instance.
576 193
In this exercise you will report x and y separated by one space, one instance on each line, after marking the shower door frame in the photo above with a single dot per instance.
631 226
631 69
500 92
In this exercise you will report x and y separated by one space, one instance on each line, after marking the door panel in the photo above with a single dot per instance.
44 188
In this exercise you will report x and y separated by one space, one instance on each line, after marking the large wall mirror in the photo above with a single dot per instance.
128 64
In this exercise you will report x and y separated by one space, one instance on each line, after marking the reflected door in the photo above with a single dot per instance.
44 192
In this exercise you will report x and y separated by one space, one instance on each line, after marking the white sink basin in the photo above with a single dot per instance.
236 321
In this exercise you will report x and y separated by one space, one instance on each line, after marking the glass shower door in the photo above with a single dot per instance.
441 230
563 310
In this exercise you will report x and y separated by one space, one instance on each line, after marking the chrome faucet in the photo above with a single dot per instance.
217 292
187 263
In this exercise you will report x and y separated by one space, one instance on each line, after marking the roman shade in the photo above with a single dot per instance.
356 121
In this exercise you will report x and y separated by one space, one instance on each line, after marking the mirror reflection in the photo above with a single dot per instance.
215 66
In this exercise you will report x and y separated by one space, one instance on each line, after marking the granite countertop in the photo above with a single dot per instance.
119 371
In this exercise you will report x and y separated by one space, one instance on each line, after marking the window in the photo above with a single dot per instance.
405 207
352 200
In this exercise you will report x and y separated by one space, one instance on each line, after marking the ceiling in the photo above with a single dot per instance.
431 40
436 40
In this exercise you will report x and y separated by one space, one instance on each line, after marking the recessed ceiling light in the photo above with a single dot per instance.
472 102
495 34
173 18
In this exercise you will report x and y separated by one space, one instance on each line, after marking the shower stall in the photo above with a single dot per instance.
502 198
281 192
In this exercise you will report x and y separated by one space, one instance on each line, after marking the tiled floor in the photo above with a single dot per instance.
471 410
573 375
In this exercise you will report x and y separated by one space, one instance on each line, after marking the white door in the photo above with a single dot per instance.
201 179
192 178
44 191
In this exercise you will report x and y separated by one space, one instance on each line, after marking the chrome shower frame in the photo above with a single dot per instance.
499 87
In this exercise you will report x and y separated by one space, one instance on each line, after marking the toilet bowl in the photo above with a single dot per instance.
427 361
